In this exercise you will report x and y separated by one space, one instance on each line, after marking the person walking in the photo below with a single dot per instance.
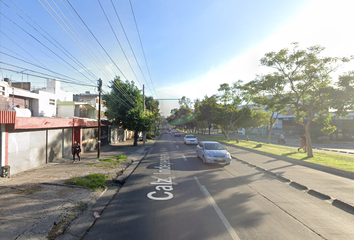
303 143
76 151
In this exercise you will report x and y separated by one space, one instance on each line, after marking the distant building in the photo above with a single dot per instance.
93 100
40 102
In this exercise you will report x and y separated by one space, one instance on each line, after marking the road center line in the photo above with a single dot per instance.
184 158
217 209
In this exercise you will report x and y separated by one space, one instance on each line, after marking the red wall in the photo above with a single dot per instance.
44 123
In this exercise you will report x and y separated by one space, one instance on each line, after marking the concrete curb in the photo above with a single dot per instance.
337 203
318 194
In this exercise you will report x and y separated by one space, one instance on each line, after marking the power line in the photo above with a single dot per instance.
70 57
91 57
127 96
11 70
45 68
130 44
43 44
141 44
64 29
118 41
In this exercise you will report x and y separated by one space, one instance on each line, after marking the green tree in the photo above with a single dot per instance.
125 107
268 92
255 120
153 106
232 97
219 119
205 111
306 77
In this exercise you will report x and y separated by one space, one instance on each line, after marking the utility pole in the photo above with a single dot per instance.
99 118
144 133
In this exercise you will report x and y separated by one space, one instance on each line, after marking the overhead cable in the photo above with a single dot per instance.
11 70
130 45
67 53
141 44
42 44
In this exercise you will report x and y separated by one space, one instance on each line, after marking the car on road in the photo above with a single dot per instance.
190 139
177 134
213 152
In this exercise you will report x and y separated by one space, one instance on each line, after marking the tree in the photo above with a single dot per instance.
305 76
232 98
219 119
205 110
122 97
153 106
138 122
125 107
256 119
268 92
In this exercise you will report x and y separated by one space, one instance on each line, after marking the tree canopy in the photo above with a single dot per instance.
125 107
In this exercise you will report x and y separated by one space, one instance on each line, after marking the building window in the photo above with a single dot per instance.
2 90
51 101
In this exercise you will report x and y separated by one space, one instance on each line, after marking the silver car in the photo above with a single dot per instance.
190 139
213 152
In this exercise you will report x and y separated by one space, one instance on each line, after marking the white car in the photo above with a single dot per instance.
213 152
190 139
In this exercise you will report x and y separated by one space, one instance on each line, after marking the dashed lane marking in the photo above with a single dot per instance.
212 202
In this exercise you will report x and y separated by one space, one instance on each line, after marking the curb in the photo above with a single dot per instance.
337 203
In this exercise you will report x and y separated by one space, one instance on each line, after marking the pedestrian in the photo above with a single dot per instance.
76 150
303 143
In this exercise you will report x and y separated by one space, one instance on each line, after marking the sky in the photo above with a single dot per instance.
173 48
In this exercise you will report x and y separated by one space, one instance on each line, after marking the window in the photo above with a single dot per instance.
2 90
51 101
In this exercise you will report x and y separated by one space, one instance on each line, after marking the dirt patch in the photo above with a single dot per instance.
29 189
64 192
60 226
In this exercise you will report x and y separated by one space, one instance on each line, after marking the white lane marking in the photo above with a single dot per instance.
217 209
177 146
184 158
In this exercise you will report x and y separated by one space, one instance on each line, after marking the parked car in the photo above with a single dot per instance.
213 152
177 134
190 139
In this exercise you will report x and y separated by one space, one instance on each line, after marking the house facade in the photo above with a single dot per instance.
32 134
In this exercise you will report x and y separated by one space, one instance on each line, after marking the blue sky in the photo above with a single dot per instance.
190 46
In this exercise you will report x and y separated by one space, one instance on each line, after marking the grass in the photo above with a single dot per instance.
109 162
340 161
92 181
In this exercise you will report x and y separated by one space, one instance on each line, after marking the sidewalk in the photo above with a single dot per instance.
34 201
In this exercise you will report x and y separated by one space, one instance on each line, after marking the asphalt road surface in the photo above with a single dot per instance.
173 195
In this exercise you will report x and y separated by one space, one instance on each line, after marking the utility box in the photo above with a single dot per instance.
5 171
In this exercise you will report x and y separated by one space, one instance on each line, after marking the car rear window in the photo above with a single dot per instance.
213 146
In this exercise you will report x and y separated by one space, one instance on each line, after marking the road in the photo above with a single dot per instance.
173 195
